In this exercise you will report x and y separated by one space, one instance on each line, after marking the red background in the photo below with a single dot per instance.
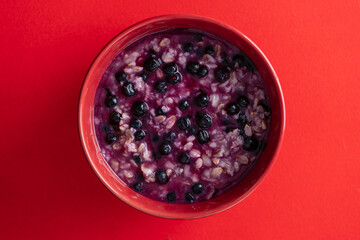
48 190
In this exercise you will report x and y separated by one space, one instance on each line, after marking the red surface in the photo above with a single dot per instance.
48 190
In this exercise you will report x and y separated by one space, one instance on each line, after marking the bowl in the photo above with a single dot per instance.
110 179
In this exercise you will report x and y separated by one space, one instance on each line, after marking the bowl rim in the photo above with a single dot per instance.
271 71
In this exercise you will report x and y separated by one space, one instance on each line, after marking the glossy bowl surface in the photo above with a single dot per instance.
110 179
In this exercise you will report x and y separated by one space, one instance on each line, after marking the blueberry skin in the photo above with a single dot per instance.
114 118
171 196
197 188
135 123
243 101
170 137
183 123
242 119
202 71
139 135
203 120
184 158
192 67
232 108
203 137
221 74
174 78
209 50
137 159
250 144
144 76
202 100
189 197
139 108
183 105
160 86
239 59
170 68
138 187
191 131
111 101
120 76
128 89
151 64
110 138
165 149
161 177
160 112
188 47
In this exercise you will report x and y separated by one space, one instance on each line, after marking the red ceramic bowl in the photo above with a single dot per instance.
163 209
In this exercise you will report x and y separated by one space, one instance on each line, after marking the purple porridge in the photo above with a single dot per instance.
181 116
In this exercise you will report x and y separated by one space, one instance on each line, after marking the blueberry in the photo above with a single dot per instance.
209 50
183 123
170 137
198 37
203 136
203 120
174 78
110 137
243 101
144 76
137 159
188 47
135 123
160 86
114 118
139 108
155 137
239 59
250 143
202 100
161 177
192 67
151 64
183 105
191 131
170 68
171 196
197 188
241 131
120 76
189 197
139 135
242 119
152 53
232 108
184 158
138 187
110 101
229 129
222 74
128 89
165 148
160 112
202 71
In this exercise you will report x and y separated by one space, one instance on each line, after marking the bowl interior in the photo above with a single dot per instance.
109 178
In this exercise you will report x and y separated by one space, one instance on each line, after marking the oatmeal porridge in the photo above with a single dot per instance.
181 116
